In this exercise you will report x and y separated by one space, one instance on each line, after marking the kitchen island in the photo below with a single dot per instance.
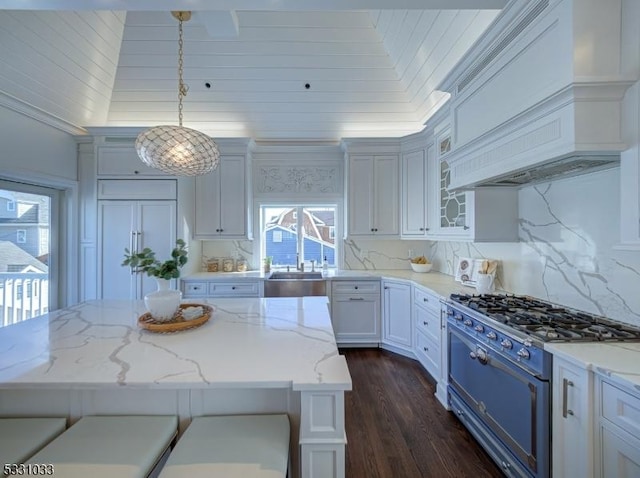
252 356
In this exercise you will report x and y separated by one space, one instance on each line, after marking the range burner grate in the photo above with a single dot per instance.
546 321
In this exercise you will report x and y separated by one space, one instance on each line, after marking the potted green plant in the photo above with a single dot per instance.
163 303
146 261
267 263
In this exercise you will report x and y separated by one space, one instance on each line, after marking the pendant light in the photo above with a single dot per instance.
178 150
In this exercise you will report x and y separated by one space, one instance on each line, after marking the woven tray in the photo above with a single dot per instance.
177 323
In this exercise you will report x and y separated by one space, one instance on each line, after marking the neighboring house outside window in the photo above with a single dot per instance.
19 292
21 236
11 205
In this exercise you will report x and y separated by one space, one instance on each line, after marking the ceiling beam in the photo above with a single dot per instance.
276 5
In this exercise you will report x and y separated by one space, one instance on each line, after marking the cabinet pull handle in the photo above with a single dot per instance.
465 227
565 388
424 322
356 298
233 287
426 349
425 299
356 287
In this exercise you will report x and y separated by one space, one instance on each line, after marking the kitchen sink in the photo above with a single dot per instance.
295 275
294 284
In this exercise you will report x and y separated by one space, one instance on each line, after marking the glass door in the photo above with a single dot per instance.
28 257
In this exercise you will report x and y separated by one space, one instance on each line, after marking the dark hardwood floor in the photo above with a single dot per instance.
397 429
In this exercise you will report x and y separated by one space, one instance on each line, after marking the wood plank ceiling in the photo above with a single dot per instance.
371 73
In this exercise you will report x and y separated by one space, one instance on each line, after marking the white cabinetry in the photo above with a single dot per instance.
482 215
355 312
221 201
121 160
196 288
132 224
397 330
415 197
426 320
572 420
618 429
373 195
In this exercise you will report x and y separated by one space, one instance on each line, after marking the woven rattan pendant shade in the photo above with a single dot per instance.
177 150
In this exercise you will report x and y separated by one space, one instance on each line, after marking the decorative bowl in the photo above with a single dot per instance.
163 304
421 267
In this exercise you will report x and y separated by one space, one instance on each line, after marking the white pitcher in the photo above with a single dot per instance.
484 283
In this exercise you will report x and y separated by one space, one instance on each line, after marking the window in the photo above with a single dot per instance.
11 205
31 254
310 238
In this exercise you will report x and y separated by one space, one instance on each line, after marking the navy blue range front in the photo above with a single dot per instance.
499 372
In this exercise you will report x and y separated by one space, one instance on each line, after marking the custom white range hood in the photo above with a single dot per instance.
540 94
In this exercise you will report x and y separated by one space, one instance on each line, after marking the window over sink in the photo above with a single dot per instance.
291 232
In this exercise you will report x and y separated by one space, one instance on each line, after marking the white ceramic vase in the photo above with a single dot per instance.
164 302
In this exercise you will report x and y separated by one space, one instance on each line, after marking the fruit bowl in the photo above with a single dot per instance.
421 267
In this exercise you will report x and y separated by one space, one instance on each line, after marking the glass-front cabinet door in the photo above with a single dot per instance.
451 212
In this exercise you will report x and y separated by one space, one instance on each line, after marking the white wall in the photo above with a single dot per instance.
33 149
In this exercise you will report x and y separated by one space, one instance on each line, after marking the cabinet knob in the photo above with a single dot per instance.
422 228
424 322
355 287
196 288
376 229
465 227
233 287
221 230
371 229
425 299
426 349
386 287
136 172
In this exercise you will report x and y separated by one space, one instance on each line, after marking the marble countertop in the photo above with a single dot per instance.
620 361
264 343
441 284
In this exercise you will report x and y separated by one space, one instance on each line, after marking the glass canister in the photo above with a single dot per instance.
213 265
227 264
241 265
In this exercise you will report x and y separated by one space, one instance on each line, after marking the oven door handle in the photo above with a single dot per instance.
486 359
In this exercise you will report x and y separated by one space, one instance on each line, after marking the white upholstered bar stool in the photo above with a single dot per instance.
21 438
110 446
232 446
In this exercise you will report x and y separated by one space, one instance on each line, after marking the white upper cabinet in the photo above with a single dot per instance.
431 210
121 160
415 197
374 195
220 202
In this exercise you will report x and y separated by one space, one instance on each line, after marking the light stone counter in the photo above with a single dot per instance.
253 356
620 361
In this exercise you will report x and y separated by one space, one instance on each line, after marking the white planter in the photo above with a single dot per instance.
163 304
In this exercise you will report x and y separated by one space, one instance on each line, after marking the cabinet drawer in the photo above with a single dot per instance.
424 299
234 289
427 322
621 408
360 287
428 352
194 289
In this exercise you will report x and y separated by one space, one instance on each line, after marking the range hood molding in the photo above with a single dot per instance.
577 127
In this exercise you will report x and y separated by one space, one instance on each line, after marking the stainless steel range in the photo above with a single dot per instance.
499 373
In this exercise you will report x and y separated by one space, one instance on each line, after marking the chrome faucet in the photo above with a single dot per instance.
313 265
299 265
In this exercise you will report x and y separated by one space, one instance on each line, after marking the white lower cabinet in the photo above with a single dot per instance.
427 323
193 289
397 330
618 432
572 421
355 312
